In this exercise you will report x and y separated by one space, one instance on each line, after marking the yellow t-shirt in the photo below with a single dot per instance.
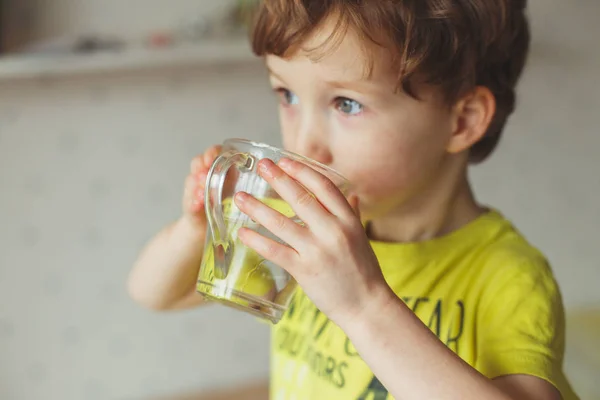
483 290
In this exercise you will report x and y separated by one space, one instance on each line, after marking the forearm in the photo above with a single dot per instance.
166 271
410 360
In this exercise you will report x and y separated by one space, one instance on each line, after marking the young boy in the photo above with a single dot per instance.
439 297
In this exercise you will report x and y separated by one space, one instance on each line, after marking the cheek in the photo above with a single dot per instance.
376 170
378 179
379 185
390 166
287 124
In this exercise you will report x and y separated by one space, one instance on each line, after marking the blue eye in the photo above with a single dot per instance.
287 98
348 106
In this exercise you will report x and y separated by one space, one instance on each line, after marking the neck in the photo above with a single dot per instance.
445 206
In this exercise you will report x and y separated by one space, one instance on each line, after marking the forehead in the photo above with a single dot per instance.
338 53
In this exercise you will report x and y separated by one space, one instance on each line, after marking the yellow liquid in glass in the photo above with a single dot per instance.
250 283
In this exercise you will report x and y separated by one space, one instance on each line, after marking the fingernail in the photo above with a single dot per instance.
241 197
262 165
264 168
285 163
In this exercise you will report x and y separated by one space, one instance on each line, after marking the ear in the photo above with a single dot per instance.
474 113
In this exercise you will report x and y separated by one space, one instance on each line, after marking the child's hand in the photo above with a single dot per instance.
330 257
193 194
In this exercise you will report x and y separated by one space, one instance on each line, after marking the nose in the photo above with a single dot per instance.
312 141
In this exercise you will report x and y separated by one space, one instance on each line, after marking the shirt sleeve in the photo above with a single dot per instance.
523 324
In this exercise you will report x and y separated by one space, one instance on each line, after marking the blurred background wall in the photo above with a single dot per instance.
92 164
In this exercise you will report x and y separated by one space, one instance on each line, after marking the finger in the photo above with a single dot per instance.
196 185
303 202
192 201
276 252
198 200
328 194
190 186
202 162
194 205
355 204
277 223
197 164
211 155
201 178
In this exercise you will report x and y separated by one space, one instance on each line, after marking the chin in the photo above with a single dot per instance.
371 209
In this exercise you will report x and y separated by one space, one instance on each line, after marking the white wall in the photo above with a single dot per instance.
546 173
90 167
88 170
128 19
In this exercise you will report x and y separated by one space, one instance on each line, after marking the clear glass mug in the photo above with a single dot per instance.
231 273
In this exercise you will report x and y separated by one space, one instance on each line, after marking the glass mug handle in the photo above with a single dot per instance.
223 248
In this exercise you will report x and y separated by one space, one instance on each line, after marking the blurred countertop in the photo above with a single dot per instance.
205 53
258 391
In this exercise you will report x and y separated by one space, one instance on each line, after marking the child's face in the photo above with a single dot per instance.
390 146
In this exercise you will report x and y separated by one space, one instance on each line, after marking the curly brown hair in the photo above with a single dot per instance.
456 45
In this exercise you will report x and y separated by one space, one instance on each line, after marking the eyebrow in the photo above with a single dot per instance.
361 86
358 85
271 72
